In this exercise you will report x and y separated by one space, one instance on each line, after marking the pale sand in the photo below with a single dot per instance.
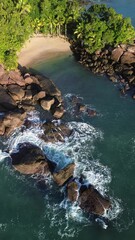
40 48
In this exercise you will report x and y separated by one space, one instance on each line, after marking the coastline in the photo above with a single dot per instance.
39 48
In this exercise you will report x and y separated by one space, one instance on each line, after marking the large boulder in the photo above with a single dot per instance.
6 102
16 92
116 54
11 121
48 86
55 131
29 159
15 77
91 201
128 58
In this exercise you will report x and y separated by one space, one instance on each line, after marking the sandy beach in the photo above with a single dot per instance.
40 48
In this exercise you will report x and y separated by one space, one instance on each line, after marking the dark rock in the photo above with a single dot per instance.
54 131
29 159
39 95
91 112
63 175
16 92
58 112
48 86
91 201
34 87
6 101
28 94
81 107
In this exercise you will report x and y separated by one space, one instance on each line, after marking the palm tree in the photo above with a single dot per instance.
23 6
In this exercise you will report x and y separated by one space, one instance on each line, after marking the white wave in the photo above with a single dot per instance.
3 156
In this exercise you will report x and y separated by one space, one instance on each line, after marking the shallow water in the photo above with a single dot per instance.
103 148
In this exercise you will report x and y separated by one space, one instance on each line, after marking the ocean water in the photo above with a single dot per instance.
102 147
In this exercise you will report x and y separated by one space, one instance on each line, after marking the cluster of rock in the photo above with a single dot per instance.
117 63
76 107
20 94
30 160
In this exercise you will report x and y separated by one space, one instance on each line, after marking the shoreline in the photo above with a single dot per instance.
39 48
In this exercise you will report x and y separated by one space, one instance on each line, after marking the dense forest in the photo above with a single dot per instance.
94 27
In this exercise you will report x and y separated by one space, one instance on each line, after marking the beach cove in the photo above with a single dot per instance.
104 149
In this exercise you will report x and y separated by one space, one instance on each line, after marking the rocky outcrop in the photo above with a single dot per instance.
88 198
117 63
75 107
91 201
55 131
10 121
29 159
20 93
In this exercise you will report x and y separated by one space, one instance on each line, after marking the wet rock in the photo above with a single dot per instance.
91 112
58 112
63 175
72 191
80 107
16 92
75 99
47 103
55 131
91 201
29 159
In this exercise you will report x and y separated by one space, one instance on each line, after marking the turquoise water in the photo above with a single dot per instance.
106 148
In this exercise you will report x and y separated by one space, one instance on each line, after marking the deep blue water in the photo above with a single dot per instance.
108 153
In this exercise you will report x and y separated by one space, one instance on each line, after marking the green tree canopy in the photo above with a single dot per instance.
100 26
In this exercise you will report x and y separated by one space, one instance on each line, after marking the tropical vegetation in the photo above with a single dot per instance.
93 28
100 26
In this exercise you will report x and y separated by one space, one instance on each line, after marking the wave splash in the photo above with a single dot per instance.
80 147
